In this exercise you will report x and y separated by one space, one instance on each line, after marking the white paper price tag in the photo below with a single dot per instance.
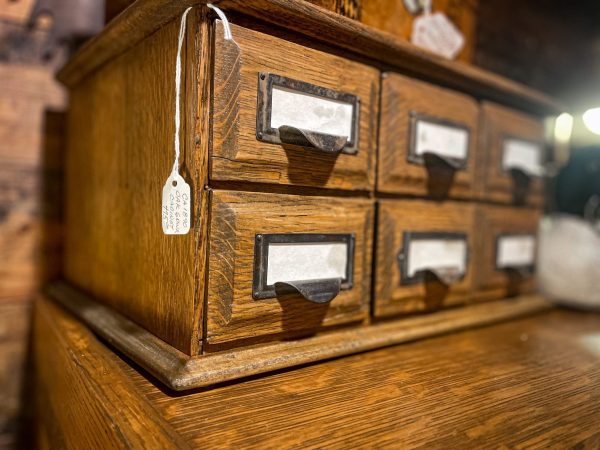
176 201
436 33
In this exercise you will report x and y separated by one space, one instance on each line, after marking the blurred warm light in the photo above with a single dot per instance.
563 127
591 119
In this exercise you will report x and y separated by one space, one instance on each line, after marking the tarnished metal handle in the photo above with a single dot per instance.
316 291
446 275
521 184
521 272
327 143
520 176
437 161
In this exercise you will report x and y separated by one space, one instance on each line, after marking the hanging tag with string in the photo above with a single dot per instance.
176 197
436 33
176 194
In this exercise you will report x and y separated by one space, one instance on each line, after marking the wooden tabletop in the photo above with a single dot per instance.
531 383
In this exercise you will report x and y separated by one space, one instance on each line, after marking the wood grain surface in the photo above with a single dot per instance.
497 220
236 217
316 23
531 383
402 96
497 123
393 17
347 8
397 216
15 318
238 155
83 399
120 154
180 372
200 54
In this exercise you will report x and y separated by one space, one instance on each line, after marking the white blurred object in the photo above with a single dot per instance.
591 119
569 261
563 127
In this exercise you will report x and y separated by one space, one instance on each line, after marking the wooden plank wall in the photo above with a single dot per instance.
30 134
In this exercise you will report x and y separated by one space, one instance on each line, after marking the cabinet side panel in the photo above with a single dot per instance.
120 154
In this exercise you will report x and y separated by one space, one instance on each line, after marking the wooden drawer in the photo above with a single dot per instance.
513 150
282 110
428 139
506 251
242 300
419 244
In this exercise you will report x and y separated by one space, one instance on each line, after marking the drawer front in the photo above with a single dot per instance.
514 152
273 258
506 251
423 255
288 114
428 139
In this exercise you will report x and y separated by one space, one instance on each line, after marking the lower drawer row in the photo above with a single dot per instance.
286 265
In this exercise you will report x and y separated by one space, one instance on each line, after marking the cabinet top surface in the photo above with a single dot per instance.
527 383
321 26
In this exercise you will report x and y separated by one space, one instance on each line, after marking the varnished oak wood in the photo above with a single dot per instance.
531 383
134 24
15 318
238 155
497 220
120 153
236 218
192 293
397 216
393 17
402 96
347 8
84 400
181 372
497 123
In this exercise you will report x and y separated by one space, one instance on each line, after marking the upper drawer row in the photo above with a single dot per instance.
309 118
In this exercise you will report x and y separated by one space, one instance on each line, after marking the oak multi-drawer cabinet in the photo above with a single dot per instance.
336 204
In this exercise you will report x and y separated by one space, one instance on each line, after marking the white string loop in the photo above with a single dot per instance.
182 24
426 6
226 29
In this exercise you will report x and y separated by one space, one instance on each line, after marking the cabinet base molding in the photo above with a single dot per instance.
182 372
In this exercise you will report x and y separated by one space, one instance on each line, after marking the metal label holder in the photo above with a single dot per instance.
433 159
526 270
420 276
519 175
315 290
295 136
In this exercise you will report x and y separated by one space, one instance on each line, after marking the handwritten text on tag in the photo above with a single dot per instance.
176 205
